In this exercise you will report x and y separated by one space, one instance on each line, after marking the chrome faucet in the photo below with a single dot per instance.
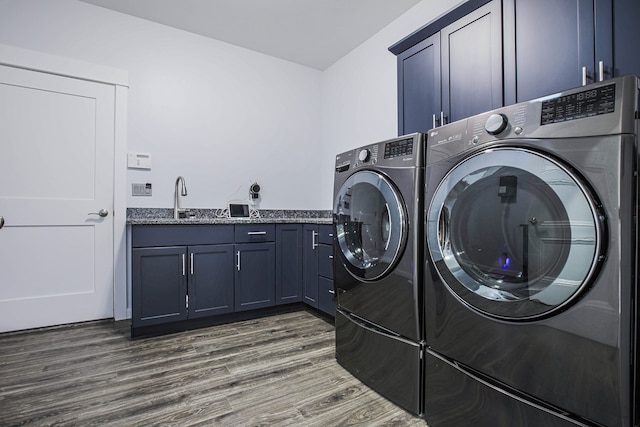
176 202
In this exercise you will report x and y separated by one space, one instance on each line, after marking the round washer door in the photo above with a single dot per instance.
370 224
513 233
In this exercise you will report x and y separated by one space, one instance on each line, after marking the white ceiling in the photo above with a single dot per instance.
315 33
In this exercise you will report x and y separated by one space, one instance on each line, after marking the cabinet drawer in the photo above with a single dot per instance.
325 261
325 234
326 296
180 235
252 233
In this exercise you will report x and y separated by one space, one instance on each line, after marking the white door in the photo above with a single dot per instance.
56 170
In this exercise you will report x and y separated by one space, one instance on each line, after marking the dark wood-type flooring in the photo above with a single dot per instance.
273 371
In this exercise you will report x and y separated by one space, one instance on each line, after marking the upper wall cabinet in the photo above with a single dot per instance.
553 45
451 68
471 52
419 92
626 33
485 54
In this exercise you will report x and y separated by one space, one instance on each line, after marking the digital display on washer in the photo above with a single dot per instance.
588 103
403 147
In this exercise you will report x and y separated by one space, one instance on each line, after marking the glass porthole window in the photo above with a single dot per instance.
370 224
513 233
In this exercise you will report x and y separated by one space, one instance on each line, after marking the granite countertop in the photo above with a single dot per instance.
158 216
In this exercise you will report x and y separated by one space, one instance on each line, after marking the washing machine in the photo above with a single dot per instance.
378 254
531 251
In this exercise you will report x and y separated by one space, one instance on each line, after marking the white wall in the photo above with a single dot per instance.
359 96
223 116
220 115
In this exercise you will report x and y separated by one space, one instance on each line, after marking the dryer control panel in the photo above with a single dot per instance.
404 151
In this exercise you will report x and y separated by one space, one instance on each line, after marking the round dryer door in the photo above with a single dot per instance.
513 233
370 224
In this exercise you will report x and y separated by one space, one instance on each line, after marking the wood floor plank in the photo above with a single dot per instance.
274 371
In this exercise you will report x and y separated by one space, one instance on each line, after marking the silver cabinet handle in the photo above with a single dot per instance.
330 234
191 262
1 221
330 256
332 292
183 266
314 243
584 76
101 212
238 262
256 233
601 71
442 119
438 122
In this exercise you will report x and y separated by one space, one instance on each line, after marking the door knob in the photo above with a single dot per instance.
101 212
1 221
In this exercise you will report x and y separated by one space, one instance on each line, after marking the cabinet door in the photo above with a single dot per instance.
255 278
158 285
419 96
288 263
626 33
310 266
210 285
547 44
472 63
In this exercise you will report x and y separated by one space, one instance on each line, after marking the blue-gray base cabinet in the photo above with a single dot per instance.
211 282
318 267
159 290
179 282
186 276
255 277
289 263
180 272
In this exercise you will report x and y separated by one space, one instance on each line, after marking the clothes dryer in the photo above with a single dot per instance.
531 246
378 224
